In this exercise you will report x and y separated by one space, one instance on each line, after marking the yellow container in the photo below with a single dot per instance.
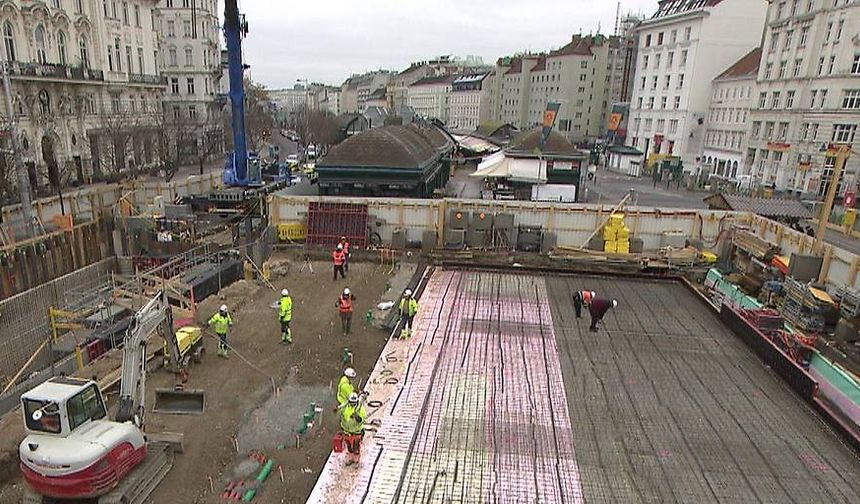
617 218
292 231
622 247
708 257
609 246
623 233
186 337
610 234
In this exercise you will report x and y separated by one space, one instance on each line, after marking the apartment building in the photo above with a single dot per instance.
682 48
357 89
808 94
577 76
430 97
190 50
728 121
470 101
85 87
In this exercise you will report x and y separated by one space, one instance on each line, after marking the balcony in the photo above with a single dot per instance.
55 71
155 80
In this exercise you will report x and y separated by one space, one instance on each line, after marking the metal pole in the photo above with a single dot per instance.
841 158
23 180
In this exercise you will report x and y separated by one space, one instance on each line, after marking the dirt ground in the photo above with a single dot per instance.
239 400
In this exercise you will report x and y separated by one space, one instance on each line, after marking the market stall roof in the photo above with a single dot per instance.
777 208
475 144
495 165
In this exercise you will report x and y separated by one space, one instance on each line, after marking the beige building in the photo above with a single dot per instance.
190 50
86 90
357 89
808 94
728 121
577 76
470 101
430 97
682 48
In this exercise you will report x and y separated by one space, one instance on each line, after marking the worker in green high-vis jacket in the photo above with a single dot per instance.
221 323
285 315
345 387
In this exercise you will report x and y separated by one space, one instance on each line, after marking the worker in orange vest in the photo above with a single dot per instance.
344 306
582 298
345 243
338 258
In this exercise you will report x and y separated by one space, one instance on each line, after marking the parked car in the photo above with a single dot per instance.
311 151
292 159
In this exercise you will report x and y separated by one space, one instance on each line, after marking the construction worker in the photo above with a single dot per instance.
338 258
598 309
352 417
408 309
344 387
581 298
221 323
345 243
344 306
285 315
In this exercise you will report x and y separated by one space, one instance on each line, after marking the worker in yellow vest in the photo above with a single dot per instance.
408 309
285 315
221 323
352 419
345 387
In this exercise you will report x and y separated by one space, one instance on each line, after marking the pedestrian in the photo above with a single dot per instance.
408 309
344 306
582 298
352 419
345 387
221 322
598 309
345 243
285 315
338 258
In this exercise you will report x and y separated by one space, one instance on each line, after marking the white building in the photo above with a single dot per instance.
85 86
470 101
430 97
290 100
682 48
727 124
808 94
190 53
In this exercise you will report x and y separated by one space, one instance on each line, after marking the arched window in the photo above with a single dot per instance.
9 41
61 47
44 102
41 52
85 52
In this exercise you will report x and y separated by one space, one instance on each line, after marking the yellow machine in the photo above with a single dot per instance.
189 340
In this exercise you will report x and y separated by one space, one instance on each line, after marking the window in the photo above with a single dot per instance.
677 102
661 123
789 99
794 7
660 38
673 126
774 100
115 104
176 112
828 31
812 98
680 81
9 41
169 4
756 129
105 6
192 112
140 65
855 66
189 57
172 56
645 61
667 82
822 98
61 47
821 66
84 50
788 36
783 70
768 71
768 130
832 64
651 102
851 99
687 33
137 16
663 102
174 85
798 64
171 28
815 132
639 103
654 82
805 128
128 60
644 80
41 52
839 29
657 60
780 10
116 55
583 64
844 133
189 85
85 406
648 124
762 100
674 36
683 57
648 40
783 130
186 28
125 13
79 6
113 9
670 59
49 420
774 40
804 36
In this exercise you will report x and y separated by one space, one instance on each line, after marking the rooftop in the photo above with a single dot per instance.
430 81
777 208
408 147
670 7
529 142
744 67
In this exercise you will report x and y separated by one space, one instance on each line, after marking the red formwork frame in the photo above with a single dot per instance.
327 222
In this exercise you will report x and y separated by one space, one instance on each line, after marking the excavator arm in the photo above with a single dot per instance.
155 316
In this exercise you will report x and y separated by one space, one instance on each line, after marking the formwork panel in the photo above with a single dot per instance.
327 222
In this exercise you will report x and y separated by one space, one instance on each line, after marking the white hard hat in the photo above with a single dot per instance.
407 292
285 292
346 292
353 398
593 294
614 303
223 307
349 372
340 246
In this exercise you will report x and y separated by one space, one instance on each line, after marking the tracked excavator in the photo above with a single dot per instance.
73 451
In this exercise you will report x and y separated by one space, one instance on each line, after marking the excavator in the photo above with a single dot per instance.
73 451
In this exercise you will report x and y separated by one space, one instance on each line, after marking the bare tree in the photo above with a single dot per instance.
316 126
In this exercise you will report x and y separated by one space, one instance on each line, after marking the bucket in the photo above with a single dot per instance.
337 443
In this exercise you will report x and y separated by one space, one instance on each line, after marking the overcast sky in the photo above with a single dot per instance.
327 40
